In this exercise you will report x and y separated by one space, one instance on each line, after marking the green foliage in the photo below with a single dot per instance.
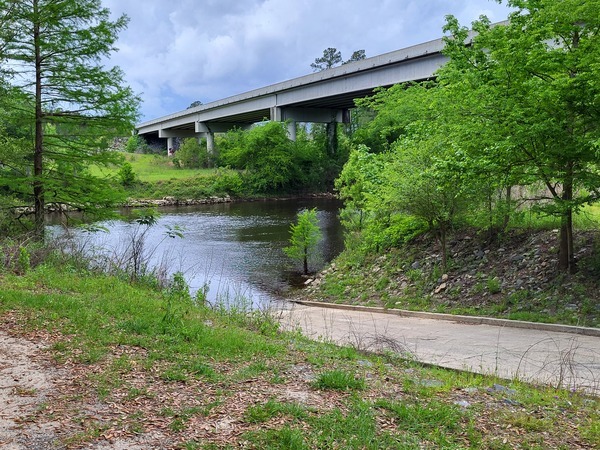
360 179
24 261
136 144
511 117
178 301
126 175
271 163
331 58
305 237
339 380
524 96
71 119
265 154
192 155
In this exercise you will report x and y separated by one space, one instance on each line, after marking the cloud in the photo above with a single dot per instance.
178 51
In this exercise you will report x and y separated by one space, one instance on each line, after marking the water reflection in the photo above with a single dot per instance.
234 248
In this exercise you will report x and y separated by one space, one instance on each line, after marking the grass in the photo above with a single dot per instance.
339 380
514 277
151 168
218 379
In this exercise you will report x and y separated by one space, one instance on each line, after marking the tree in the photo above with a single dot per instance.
136 143
191 154
55 51
305 237
533 86
331 58
358 55
194 104
266 155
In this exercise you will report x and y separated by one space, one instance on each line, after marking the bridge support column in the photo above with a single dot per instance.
291 128
170 144
210 142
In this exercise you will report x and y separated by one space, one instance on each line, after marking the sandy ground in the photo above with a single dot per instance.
26 380
29 382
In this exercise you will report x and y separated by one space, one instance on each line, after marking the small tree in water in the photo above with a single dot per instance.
305 237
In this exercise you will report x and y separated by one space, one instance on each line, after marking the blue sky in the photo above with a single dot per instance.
177 51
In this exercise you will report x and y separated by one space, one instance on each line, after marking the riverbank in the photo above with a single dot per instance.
155 371
515 278
176 201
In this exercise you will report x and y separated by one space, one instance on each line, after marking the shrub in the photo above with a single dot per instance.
305 237
126 175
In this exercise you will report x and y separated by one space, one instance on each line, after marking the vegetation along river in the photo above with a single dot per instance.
233 248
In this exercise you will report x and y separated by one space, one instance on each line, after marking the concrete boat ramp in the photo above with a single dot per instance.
557 355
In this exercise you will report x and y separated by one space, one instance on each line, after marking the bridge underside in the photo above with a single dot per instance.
323 97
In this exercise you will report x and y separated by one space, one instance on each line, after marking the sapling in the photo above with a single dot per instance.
305 237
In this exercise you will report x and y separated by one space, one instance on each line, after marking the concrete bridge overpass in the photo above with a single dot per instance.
322 97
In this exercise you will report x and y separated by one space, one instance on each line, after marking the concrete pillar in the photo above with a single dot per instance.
291 127
170 145
210 143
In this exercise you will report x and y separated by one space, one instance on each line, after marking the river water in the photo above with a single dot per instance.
235 249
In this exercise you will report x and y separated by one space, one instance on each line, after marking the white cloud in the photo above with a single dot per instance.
178 51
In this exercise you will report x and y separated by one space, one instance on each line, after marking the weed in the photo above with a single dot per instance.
527 421
263 413
414 275
174 374
493 285
339 380
382 282
433 421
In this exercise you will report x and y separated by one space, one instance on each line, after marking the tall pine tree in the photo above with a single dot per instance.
53 52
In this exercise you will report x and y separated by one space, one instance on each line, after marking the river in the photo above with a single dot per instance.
235 249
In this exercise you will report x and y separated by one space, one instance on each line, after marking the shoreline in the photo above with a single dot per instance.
174 201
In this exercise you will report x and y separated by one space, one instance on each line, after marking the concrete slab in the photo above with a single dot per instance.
538 356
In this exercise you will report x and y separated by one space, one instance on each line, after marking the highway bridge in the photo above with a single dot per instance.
322 97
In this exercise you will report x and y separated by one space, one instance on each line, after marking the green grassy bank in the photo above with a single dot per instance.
139 363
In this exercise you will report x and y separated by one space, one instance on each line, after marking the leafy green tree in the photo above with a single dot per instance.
416 184
360 179
192 154
533 86
305 237
266 155
135 143
55 51
127 175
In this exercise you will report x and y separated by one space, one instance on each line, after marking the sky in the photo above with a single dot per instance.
175 52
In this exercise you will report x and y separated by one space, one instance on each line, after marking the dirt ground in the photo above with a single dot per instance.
26 380
29 382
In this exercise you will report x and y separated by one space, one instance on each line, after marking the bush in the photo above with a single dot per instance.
126 175
192 154
136 144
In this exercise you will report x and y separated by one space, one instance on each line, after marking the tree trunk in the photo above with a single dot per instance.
39 203
566 255
508 208
442 237
305 260
332 138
